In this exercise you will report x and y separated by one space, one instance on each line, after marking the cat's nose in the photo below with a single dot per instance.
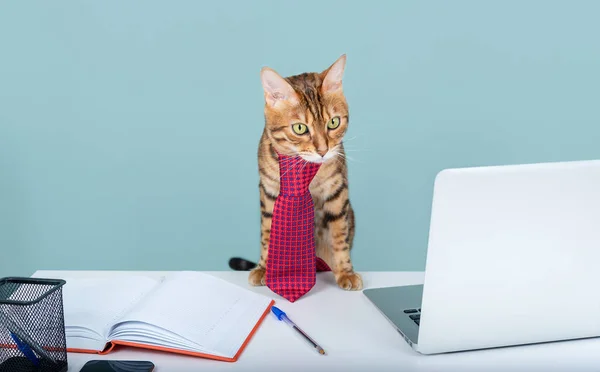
322 151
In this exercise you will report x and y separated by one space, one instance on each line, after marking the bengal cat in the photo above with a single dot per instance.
307 115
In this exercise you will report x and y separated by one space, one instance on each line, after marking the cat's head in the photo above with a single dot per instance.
306 114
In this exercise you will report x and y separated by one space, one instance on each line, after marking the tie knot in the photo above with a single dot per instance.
296 174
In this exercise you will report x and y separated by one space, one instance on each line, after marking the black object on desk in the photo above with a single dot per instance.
118 366
241 264
32 325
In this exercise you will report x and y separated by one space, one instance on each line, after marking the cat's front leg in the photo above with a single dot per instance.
340 223
267 202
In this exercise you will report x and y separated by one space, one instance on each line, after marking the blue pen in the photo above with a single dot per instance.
25 349
24 342
283 317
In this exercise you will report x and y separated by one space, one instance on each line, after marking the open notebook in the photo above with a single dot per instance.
185 312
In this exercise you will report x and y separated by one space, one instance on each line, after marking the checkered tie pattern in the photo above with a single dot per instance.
291 261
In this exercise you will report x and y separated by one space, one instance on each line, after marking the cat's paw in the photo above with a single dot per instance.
350 281
257 277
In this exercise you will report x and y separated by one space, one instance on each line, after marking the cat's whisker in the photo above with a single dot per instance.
304 166
352 159
355 148
338 161
294 164
349 139
341 156
346 157
284 174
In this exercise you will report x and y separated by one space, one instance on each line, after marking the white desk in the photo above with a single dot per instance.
355 336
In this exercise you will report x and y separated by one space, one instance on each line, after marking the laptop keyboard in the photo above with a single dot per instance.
414 314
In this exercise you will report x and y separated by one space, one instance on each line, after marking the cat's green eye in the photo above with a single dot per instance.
299 128
334 123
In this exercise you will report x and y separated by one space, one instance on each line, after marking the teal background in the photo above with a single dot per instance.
128 129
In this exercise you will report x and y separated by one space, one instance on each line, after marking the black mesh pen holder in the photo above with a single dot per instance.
32 325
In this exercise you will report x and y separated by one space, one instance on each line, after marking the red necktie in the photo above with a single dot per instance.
291 260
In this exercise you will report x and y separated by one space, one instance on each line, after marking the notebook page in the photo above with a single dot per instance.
144 333
204 312
96 303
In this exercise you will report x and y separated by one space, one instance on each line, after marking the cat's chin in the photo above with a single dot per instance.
313 158
317 159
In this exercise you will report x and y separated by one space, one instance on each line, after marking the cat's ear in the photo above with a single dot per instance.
332 77
276 88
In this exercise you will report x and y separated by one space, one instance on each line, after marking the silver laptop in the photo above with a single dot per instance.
513 258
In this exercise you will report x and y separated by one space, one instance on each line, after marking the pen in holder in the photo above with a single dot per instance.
32 325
